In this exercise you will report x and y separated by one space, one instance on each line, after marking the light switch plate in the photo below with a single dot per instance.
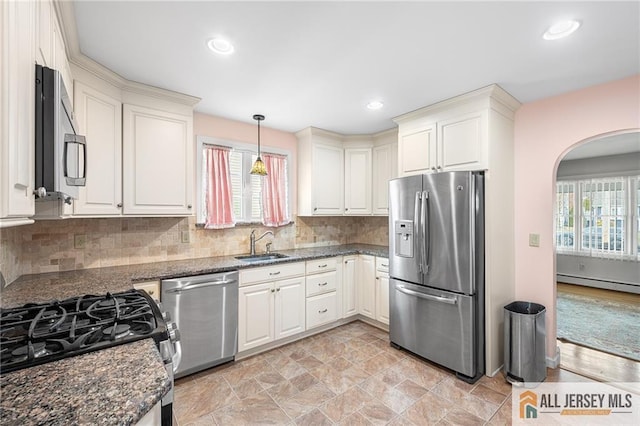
534 240
184 236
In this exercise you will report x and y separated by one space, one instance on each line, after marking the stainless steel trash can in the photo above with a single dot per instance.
524 342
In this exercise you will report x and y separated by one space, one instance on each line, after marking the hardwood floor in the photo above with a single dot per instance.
594 364
598 293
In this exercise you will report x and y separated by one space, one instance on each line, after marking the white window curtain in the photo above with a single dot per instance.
274 191
218 194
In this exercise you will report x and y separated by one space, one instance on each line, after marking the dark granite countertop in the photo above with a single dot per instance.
120 384
40 288
97 388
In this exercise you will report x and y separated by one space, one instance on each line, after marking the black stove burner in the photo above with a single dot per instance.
36 349
117 331
111 302
37 333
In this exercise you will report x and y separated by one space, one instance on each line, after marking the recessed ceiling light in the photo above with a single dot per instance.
561 29
220 46
375 105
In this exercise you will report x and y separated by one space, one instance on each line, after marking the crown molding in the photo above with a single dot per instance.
67 20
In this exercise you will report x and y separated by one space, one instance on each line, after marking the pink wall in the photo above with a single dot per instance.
544 132
222 128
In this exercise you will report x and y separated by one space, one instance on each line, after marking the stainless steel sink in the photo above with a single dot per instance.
261 257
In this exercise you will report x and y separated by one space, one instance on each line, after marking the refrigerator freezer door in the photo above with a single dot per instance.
434 324
404 228
450 236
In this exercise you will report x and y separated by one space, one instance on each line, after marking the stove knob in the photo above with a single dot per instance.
166 316
174 334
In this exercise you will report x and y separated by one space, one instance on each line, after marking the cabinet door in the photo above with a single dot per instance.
290 307
385 163
99 117
44 53
367 286
417 150
17 73
357 191
349 286
157 162
60 61
328 180
255 315
382 297
461 142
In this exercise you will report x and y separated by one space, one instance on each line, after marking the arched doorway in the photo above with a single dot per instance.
597 233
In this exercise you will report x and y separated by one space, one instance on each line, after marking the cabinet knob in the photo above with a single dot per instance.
189 206
439 167
40 192
278 289
119 205
346 210
323 311
273 290
315 209
433 168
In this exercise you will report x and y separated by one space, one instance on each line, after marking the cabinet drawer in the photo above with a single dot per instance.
322 309
321 265
271 273
322 283
382 264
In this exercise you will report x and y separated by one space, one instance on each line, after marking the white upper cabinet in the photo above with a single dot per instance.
417 149
385 164
357 167
320 173
337 174
454 134
44 51
99 118
17 94
462 142
157 159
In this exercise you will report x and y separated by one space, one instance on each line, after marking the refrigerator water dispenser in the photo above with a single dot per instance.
404 238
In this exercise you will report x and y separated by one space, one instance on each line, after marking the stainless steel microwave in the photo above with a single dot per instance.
61 154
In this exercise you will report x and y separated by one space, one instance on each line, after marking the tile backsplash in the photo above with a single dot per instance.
62 245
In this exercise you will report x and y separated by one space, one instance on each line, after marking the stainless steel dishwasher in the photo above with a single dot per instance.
205 309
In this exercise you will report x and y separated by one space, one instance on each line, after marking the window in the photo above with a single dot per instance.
593 217
246 189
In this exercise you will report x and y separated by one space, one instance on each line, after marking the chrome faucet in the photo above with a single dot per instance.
253 239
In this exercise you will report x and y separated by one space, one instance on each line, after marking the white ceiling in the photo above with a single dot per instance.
319 63
624 143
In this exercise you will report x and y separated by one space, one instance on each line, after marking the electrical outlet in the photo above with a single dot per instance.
79 241
184 237
534 240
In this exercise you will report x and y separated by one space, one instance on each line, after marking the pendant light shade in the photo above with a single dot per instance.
258 167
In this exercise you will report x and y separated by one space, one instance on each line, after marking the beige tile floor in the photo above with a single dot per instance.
346 376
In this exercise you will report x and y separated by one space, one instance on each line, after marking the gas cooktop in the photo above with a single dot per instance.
38 333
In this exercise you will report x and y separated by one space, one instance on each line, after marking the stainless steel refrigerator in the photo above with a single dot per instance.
436 255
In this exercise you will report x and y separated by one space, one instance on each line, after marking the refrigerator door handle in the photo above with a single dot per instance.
424 233
447 300
416 226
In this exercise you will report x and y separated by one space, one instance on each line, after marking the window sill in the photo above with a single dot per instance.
243 225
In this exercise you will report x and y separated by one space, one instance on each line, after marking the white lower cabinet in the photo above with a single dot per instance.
349 286
323 288
269 310
367 290
290 307
322 309
382 290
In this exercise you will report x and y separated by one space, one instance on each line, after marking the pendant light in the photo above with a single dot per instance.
258 167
